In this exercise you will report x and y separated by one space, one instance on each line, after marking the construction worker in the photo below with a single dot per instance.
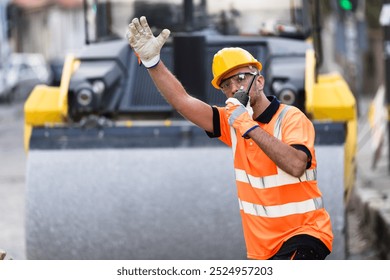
281 206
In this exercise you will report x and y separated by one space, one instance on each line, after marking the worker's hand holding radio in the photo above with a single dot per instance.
239 117
142 40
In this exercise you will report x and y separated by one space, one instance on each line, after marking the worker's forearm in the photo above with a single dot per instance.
173 91
287 158
170 88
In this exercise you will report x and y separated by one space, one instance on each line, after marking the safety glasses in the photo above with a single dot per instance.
239 79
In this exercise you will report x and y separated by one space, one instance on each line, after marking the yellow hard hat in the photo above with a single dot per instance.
228 59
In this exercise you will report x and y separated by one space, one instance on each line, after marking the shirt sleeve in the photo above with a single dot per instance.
216 124
221 126
298 132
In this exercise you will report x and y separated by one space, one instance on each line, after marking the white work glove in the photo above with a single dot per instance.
146 46
239 117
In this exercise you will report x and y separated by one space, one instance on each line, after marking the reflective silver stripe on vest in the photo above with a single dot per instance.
280 179
281 210
233 136
278 123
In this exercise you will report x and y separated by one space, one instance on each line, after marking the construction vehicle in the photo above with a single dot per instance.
113 172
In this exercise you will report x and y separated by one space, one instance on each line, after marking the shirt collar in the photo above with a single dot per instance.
270 111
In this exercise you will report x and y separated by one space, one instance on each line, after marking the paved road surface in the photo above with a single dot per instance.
12 170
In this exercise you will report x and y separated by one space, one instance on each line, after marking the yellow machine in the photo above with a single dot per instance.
329 99
113 172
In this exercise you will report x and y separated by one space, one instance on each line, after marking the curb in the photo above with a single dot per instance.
373 208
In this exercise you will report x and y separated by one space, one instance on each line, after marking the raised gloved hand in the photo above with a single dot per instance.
239 117
142 40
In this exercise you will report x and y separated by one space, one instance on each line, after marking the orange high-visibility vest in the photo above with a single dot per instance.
274 205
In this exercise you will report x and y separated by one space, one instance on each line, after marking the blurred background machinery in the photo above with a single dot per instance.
19 72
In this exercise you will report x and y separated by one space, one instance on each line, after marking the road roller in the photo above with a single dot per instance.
114 172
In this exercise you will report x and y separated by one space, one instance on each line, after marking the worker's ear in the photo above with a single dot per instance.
260 79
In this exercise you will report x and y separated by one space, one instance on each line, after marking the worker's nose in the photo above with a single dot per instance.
234 88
